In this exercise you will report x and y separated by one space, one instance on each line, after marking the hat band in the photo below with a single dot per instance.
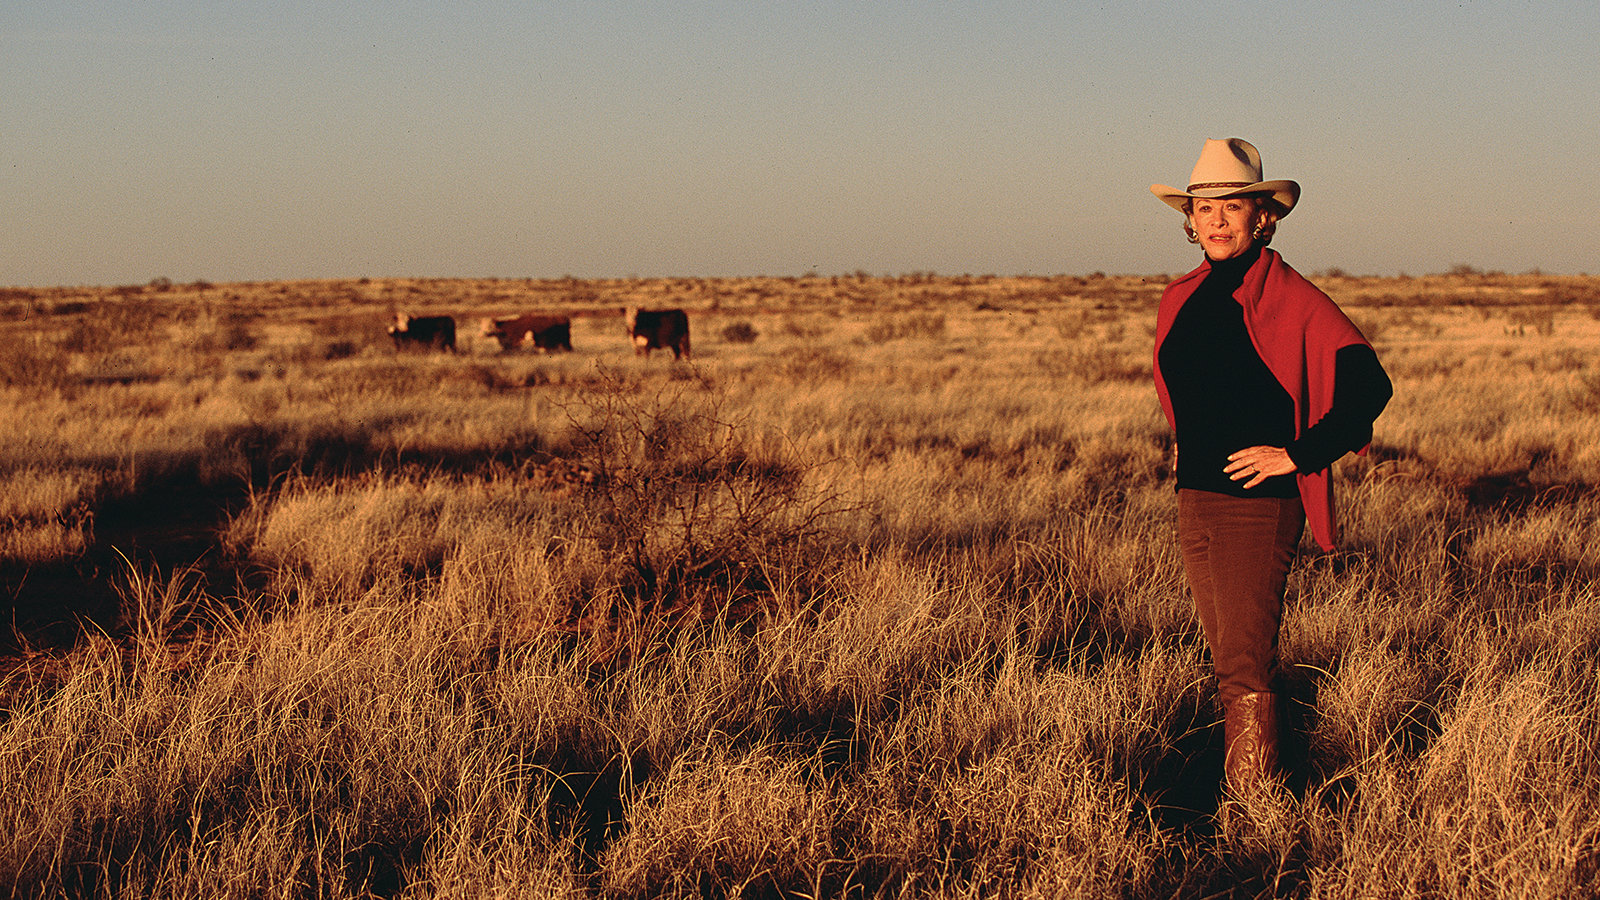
1208 185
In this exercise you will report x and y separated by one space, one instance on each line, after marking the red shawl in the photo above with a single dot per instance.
1297 329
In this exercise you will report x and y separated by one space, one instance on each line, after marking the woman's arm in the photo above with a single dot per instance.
1361 389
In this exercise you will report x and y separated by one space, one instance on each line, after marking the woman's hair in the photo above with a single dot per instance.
1264 204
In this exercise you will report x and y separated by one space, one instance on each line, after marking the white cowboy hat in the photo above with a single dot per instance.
1228 168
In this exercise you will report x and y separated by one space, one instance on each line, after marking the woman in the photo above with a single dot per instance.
1265 383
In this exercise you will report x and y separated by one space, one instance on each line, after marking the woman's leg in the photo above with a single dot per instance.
1237 553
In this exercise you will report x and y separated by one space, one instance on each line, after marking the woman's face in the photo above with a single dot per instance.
1225 226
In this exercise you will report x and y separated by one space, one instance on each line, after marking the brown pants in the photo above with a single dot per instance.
1236 552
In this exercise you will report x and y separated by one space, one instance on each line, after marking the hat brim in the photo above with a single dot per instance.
1286 193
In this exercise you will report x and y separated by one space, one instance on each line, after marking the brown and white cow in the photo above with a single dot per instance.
437 332
658 329
546 332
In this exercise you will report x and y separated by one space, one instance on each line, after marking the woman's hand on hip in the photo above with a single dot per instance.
1258 464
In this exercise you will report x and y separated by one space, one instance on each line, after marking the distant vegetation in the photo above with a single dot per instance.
878 597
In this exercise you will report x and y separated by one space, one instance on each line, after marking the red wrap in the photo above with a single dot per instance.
1297 329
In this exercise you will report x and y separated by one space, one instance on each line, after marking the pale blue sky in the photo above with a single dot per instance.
240 140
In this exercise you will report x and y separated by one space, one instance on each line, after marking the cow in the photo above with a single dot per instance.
653 329
547 332
437 332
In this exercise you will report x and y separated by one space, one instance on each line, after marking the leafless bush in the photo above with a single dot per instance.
688 507
32 363
740 333
110 324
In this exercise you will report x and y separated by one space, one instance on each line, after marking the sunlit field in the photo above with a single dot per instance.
876 595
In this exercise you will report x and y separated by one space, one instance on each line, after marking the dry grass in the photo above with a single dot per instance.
878 598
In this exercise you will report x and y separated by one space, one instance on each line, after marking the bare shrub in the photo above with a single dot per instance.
236 332
686 507
339 348
111 324
87 335
32 363
740 333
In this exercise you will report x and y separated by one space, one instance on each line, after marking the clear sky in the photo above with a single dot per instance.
240 140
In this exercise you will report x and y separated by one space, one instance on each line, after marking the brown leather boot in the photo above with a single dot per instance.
1250 726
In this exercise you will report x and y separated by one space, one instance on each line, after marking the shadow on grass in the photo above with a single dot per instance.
173 516
169 523
1183 788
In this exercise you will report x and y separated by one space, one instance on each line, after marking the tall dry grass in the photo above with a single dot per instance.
882 602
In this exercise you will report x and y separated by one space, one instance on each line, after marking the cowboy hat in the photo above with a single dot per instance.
1228 168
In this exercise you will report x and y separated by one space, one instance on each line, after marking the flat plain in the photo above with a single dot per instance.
876 595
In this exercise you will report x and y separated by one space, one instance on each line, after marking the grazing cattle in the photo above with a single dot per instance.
656 329
546 332
438 332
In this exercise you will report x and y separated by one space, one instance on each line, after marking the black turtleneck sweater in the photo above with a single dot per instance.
1224 398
